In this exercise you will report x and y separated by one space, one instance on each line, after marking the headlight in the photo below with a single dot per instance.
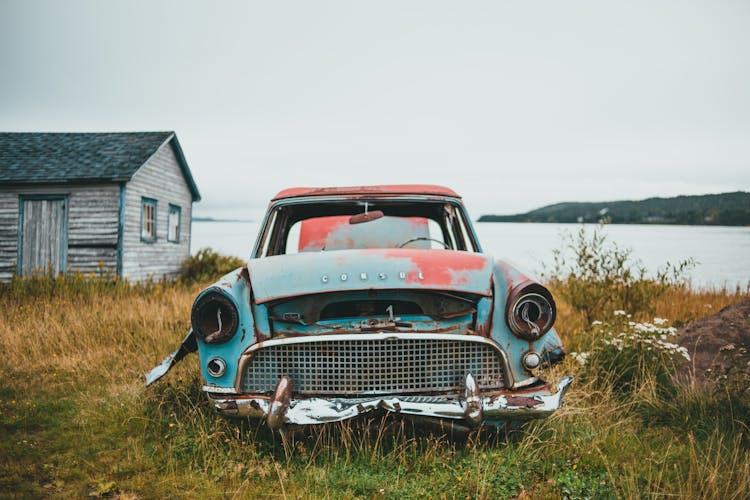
531 310
214 318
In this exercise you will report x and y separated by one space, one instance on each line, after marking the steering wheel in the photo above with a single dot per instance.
424 238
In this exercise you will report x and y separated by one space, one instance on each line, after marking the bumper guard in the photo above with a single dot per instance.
472 408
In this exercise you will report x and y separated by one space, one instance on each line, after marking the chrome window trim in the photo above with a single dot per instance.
415 197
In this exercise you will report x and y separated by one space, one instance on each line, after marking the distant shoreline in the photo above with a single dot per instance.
725 209
484 218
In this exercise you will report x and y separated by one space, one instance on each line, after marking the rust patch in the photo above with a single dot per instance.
259 336
393 189
520 289
512 276
228 406
532 389
522 401
244 274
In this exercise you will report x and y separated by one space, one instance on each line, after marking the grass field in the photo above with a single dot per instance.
76 419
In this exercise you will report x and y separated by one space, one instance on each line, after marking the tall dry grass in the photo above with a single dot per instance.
76 419
83 330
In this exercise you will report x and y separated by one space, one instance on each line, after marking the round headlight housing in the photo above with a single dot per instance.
531 310
214 318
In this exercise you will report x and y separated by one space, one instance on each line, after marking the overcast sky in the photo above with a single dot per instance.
514 104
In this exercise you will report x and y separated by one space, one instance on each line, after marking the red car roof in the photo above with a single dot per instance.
394 189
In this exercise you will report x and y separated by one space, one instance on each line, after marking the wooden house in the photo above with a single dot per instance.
117 203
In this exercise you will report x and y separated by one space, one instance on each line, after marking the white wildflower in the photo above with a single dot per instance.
684 352
580 357
620 312
597 322
660 321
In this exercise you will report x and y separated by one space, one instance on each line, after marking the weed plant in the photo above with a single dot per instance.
207 265
76 419
595 275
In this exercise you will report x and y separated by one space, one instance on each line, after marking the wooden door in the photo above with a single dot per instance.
43 231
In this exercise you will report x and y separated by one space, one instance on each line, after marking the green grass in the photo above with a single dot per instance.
76 419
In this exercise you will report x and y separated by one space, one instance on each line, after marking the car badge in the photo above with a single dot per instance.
402 275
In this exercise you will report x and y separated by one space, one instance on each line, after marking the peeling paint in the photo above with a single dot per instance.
348 192
352 299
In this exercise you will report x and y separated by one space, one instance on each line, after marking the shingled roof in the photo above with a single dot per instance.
43 158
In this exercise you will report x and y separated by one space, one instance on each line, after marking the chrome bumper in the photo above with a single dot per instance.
472 407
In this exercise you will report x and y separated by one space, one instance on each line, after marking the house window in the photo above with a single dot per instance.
173 224
148 219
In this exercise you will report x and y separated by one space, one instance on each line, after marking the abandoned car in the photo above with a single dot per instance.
365 298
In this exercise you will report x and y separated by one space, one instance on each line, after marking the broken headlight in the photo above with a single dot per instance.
214 318
530 310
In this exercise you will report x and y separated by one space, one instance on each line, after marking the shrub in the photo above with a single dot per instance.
208 265
629 355
594 275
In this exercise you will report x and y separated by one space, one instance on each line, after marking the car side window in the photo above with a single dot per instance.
465 234
265 238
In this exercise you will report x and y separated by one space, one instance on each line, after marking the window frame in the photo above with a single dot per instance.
174 209
151 202
272 237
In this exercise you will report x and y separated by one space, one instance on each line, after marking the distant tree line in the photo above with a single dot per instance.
726 209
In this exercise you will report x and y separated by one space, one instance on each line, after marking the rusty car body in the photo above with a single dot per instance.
380 297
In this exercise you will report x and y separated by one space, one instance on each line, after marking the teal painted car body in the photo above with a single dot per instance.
421 328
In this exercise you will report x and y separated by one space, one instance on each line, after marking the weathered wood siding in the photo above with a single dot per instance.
92 229
160 179
92 226
8 234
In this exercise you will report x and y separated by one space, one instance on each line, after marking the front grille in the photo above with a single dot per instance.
374 366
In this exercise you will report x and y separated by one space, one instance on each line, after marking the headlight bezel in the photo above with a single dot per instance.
214 317
530 310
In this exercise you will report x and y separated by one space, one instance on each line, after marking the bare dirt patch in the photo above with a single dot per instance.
718 344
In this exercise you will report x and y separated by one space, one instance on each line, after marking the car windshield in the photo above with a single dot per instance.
313 226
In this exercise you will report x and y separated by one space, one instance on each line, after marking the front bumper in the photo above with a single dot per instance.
472 408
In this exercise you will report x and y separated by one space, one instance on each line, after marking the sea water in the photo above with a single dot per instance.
722 254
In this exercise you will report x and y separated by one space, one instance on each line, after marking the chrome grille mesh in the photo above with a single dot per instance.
382 366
